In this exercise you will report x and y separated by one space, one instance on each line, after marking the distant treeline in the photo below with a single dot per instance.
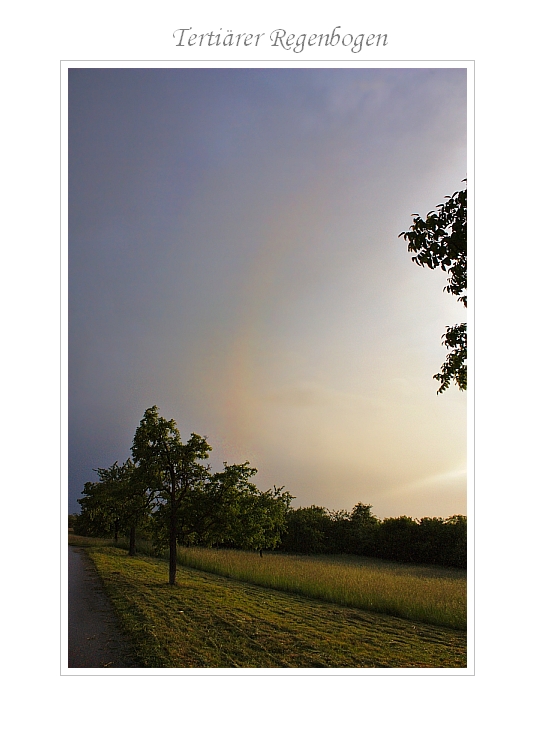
316 530
436 541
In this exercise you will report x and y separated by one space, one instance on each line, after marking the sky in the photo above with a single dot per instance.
234 259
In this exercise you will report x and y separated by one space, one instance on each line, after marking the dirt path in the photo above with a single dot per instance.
95 639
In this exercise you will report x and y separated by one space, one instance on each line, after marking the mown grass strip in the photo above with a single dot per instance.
416 593
211 621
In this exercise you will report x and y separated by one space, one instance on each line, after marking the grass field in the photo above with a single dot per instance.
208 620
425 594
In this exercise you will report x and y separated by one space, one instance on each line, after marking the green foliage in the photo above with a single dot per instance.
239 514
306 530
396 539
315 530
228 510
101 510
177 498
201 507
454 367
118 502
170 469
166 465
440 241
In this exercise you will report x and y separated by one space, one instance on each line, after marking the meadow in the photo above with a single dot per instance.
430 595
213 620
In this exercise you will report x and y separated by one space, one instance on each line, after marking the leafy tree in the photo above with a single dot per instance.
118 502
440 241
102 505
307 530
168 490
96 517
434 541
397 539
132 502
455 541
228 510
262 519
338 533
170 469
137 501
363 526
431 544
351 532
213 514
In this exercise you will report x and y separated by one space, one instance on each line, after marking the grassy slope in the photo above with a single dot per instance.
210 621
428 595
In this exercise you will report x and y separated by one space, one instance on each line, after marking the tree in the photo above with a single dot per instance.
440 241
261 518
213 515
129 501
117 502
364 526
137 500
102 504
307 530
350 532
228 510
397 539
170 469
98 516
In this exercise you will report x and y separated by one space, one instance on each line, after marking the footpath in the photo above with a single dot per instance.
95 639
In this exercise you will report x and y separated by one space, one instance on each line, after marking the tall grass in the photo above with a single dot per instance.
418 593
411 592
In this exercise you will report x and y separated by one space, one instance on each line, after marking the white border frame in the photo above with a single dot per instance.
469 65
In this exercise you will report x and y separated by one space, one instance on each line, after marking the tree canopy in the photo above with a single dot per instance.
194 505
173 494
169 468
440 241
118 502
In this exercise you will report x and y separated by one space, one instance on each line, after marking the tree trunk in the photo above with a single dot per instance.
172 547
116 531
132 547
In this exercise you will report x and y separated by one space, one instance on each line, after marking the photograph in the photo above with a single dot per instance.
268 363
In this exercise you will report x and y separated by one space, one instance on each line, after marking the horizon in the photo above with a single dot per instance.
234 259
